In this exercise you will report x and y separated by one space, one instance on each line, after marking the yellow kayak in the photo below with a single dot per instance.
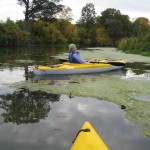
70 68
88 139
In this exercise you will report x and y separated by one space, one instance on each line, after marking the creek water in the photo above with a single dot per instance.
45 121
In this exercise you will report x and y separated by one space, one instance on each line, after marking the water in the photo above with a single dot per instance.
36 120
43 121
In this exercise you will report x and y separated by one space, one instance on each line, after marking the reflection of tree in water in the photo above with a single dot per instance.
138 67
26 106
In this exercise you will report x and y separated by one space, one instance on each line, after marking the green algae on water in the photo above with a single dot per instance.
108 88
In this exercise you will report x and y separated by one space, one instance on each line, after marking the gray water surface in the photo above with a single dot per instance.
59 126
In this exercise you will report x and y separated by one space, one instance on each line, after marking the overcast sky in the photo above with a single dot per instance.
132 8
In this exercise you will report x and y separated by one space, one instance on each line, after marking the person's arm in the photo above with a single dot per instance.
80 60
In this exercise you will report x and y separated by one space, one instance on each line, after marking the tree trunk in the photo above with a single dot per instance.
27 10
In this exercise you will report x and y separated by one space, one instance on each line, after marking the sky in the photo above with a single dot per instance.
132 8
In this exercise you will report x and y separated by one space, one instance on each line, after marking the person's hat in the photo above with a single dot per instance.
72 46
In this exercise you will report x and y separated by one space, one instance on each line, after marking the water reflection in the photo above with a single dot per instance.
23 54
132 75
138 67
51 77
26 106
64 120
65 79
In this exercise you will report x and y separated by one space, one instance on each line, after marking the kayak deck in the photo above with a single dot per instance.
106 61
120 62
66 66
88 139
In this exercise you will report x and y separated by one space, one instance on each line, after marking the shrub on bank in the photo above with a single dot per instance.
12 35
136 45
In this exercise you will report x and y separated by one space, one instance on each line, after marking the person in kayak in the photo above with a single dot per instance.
74 55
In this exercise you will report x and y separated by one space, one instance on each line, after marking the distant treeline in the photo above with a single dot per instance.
110 29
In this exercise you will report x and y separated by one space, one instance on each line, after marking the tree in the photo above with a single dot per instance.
141 26
46 33
116 24
102 39
40 8
86 24
88 15
68 30
109 14
12 35
24 106
65 14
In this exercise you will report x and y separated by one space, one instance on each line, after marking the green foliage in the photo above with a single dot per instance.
82 34
12 35
40 8
145 45
46 33
140 26
129 44
94 37
65 14
86 25
68 30
102 38
116 24
88 15
136 45
87 37
110 29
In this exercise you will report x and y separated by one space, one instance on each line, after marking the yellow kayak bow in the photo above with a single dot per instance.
88 139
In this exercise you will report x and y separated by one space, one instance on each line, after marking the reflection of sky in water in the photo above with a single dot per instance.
8 76
65 118
11 76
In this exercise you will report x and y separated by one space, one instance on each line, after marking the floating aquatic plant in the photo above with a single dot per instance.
109 88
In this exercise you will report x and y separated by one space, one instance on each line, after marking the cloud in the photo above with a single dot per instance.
10 9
